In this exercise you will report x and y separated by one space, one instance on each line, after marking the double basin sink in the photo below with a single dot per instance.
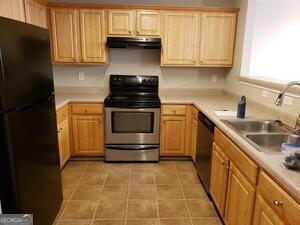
265 135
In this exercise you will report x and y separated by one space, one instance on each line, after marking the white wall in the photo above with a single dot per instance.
138 61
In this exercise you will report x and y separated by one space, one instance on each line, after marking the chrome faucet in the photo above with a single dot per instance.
280 100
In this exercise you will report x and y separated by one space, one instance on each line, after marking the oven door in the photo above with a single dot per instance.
132 126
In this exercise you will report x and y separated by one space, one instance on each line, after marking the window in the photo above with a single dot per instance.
272 41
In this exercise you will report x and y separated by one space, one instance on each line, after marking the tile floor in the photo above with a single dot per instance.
165 193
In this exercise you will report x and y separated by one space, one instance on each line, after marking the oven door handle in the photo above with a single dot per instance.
132 147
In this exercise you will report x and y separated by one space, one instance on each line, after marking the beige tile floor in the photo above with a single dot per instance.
165 193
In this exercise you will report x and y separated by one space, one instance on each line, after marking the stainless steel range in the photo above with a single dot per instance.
132 119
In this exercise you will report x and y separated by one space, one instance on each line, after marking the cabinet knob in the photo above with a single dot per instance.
137 32
174 111
86 110
278 203
129 32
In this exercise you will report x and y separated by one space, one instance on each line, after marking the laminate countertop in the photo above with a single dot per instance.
289 179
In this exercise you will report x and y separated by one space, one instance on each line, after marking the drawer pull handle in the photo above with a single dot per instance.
278 203
65 114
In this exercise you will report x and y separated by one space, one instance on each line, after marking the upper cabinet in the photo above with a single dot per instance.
147 23
133 23
35 13
64 27
92 35
78 36
217 38
180 38
13 9
121 22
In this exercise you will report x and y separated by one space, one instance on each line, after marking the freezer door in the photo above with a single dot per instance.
30 173
25 64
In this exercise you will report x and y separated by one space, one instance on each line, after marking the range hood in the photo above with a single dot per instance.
136 42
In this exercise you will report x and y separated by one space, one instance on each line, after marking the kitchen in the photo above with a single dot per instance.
141 90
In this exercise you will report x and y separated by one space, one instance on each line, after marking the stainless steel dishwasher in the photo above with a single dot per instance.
204 149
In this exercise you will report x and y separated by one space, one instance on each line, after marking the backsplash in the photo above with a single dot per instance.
138 61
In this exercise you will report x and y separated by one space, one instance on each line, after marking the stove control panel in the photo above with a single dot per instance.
127 81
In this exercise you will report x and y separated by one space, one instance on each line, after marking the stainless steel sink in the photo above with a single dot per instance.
256 126
268 143
265 135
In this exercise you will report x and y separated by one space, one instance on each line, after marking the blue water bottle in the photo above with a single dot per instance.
241 110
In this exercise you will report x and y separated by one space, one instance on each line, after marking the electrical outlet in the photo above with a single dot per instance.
288 100
80 75
214 78
265 93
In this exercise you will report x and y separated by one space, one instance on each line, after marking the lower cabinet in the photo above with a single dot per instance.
240 199
264 214
63 135
173 135
219 178
87 129
63 141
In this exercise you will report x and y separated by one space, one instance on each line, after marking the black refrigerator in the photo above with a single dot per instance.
29 159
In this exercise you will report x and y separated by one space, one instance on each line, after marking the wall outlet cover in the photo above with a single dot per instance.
80 75
214 78
288 100
265 93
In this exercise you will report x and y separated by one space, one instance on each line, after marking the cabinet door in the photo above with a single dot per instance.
173 135
92 36
35 13
219 178
147 23
88 135
217 38
121 22
194 138
13 9
64 142
180 39
264 214
240 199
64 28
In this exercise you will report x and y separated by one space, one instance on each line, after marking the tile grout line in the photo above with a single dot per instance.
98 200
127 198
180 184
156 198
75 186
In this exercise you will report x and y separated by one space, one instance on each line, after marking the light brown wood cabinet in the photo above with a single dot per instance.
121 22
240 198
78 36
13 9
217 38
133 23
64 30
147 23
180 38
35 13
87 129
264 214
92 34
232 187
63 135
173 135
219 178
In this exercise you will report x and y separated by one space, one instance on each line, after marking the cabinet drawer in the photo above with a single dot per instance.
283 204
62 114
174 110
87 109
240 159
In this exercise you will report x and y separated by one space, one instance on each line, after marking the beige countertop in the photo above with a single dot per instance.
289 179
